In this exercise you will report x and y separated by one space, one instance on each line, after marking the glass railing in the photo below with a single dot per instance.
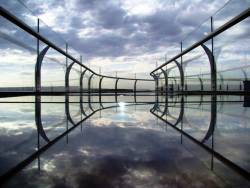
229 48
20 50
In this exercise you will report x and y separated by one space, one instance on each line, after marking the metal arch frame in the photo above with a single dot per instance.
156 86
81 89
38 67
100 91
67 88
116 84
89 87
165 73
166 79
81 80
181 73
38 118
213 70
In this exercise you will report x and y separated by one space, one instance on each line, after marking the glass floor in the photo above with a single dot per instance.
155 142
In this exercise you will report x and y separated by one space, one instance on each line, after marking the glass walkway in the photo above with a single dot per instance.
62 124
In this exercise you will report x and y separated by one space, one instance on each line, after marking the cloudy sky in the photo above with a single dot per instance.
123 35
126 36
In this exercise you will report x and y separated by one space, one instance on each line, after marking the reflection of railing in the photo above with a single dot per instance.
41 54
51 141
178 125
210 52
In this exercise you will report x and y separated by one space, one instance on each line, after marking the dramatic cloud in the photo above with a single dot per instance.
125 36
114 29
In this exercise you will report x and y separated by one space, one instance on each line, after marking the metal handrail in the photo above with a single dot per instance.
224 27
12 18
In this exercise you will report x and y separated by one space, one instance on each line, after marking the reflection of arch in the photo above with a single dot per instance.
67 110
38 119
135 89
38 68
116 83
100 91
212 67
213 119
81 79
181 115
212 124
156 85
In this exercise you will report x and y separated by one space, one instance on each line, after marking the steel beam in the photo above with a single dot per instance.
38 67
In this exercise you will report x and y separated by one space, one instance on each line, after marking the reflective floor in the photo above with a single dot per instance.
174 141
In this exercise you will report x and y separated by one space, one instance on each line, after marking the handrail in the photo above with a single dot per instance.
222 28
12 18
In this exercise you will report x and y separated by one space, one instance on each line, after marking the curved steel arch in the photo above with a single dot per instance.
89 86
181 73
38 118
166 91
67 76
156 85
166 79
67 96
38 66
81 88
212 67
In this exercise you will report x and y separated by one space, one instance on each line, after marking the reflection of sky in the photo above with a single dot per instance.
122 40
123 146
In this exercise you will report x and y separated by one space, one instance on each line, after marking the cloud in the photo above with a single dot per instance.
105 32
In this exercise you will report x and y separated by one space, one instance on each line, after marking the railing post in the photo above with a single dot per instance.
182 86
100 90
213 67
66 64
38 74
